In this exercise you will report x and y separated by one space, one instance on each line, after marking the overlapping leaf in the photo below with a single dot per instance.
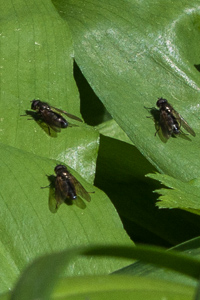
37 62
30 229
133 53
49 267
179 194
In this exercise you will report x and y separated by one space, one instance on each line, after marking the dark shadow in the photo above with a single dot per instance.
197 67
155 113
132 195
34 116
184 136
92 109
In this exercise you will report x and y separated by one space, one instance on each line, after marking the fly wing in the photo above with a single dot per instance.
56 129
72 125
186 126
49 118
79 202
53 205
80 190
67 114
59 192
72 116
165 125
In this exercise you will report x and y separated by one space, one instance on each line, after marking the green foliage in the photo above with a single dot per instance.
133 53
127 54
48 268
184 195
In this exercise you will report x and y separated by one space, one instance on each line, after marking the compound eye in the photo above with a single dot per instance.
160 102
60 168
34 104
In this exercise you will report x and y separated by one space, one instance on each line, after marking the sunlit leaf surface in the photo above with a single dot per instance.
37 63
133 53
179 194
30 229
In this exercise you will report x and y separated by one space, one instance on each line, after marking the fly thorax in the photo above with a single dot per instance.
66 175
168 109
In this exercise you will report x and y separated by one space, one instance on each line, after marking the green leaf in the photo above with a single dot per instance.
112 129
45 271
132 53
183 195
171 259
120 287
99 287
37 62
30 230
37 281
140 268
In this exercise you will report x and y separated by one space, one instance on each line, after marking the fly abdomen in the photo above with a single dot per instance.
63 122
58 120
71 190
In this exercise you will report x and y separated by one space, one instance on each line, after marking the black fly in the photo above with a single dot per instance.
66 189
51 115
170 121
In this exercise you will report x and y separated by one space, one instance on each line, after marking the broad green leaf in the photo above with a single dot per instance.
179 194
173 260
37 62
134 52
140 268
112 129
29 229
5 296
121 287
39 279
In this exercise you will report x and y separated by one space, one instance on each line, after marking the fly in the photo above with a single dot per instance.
170 121
52 115
67 189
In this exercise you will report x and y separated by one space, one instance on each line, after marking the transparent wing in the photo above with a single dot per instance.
164 125
72 125
59 196
183 123
80 190
53 207
79 202
187 127
67 114
55 128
